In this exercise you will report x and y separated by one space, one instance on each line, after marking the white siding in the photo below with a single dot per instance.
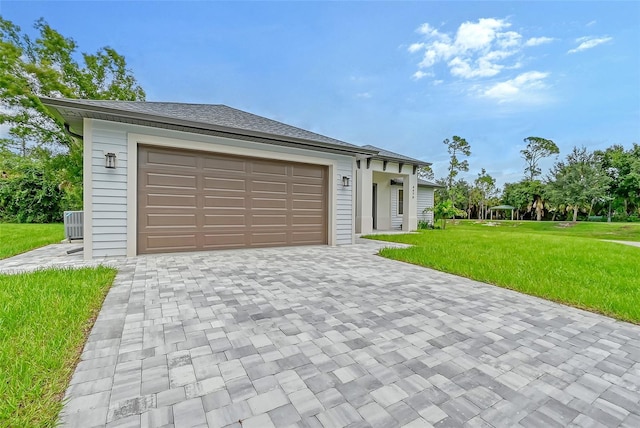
344 202
109 186
425 199
109 191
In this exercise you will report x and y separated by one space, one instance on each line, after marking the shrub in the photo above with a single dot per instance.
30 197
424 224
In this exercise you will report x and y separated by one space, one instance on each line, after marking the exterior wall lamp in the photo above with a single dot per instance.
345 181
110 160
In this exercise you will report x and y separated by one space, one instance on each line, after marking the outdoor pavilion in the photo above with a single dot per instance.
501 208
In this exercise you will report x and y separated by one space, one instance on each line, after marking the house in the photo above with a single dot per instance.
166 177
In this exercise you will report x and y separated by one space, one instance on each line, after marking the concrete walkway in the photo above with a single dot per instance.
631 243
333 337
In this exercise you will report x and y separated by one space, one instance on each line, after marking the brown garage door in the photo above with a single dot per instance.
189 201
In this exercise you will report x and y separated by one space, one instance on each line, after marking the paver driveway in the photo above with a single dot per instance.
321 336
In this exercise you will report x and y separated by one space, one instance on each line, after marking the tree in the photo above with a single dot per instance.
48 66
425 173
578 181
526 196
456 146
537 148
486 186
445 210
623 168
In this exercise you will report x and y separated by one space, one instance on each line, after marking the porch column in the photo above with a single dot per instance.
410 202
364 201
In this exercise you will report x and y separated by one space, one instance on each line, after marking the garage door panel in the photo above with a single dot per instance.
304 171
215 201
269 203
225 220
224 184
171 180
173 160
269 187
224 164
214 241
227 202
168 200
306 237
307 189
305 220
259 167
307 204
170 219
272 220
269 239
171 242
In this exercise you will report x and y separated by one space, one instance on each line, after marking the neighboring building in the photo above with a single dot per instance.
165 177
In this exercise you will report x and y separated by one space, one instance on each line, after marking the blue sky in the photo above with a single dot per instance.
398 75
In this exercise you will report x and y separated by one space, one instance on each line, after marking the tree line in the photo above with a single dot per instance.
41 163
597 185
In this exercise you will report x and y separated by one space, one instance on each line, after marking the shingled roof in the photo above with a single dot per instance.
386 154
211 117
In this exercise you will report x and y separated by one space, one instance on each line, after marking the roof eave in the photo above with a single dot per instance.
400 160
82 108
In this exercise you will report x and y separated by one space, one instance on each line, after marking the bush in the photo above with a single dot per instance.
30 197
424 224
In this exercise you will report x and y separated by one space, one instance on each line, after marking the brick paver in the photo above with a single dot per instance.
322 336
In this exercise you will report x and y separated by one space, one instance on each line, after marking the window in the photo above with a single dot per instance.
400 201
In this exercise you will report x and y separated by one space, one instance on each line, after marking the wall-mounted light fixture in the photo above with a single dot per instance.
110 160
345 181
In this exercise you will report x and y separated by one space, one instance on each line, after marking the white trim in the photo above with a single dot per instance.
133 140
132 197
353 199
87 190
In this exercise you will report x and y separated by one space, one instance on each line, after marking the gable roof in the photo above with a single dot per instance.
386 154
215 119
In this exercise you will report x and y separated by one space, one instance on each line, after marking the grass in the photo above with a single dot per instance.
19 238
597 230
45 317
569 265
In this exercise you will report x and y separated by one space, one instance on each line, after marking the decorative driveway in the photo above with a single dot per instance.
333 337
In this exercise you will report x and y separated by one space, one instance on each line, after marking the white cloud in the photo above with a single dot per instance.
589 42
420 74
592 23
364 95
415 47
536 41
478 35
478 49
521 88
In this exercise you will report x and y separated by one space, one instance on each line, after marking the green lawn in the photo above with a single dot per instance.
19 238
569 265
598 230
45 317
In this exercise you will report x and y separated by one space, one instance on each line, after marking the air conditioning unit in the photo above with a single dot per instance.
73 225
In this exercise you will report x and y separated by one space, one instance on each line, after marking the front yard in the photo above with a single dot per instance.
19 238
45 317
561 262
